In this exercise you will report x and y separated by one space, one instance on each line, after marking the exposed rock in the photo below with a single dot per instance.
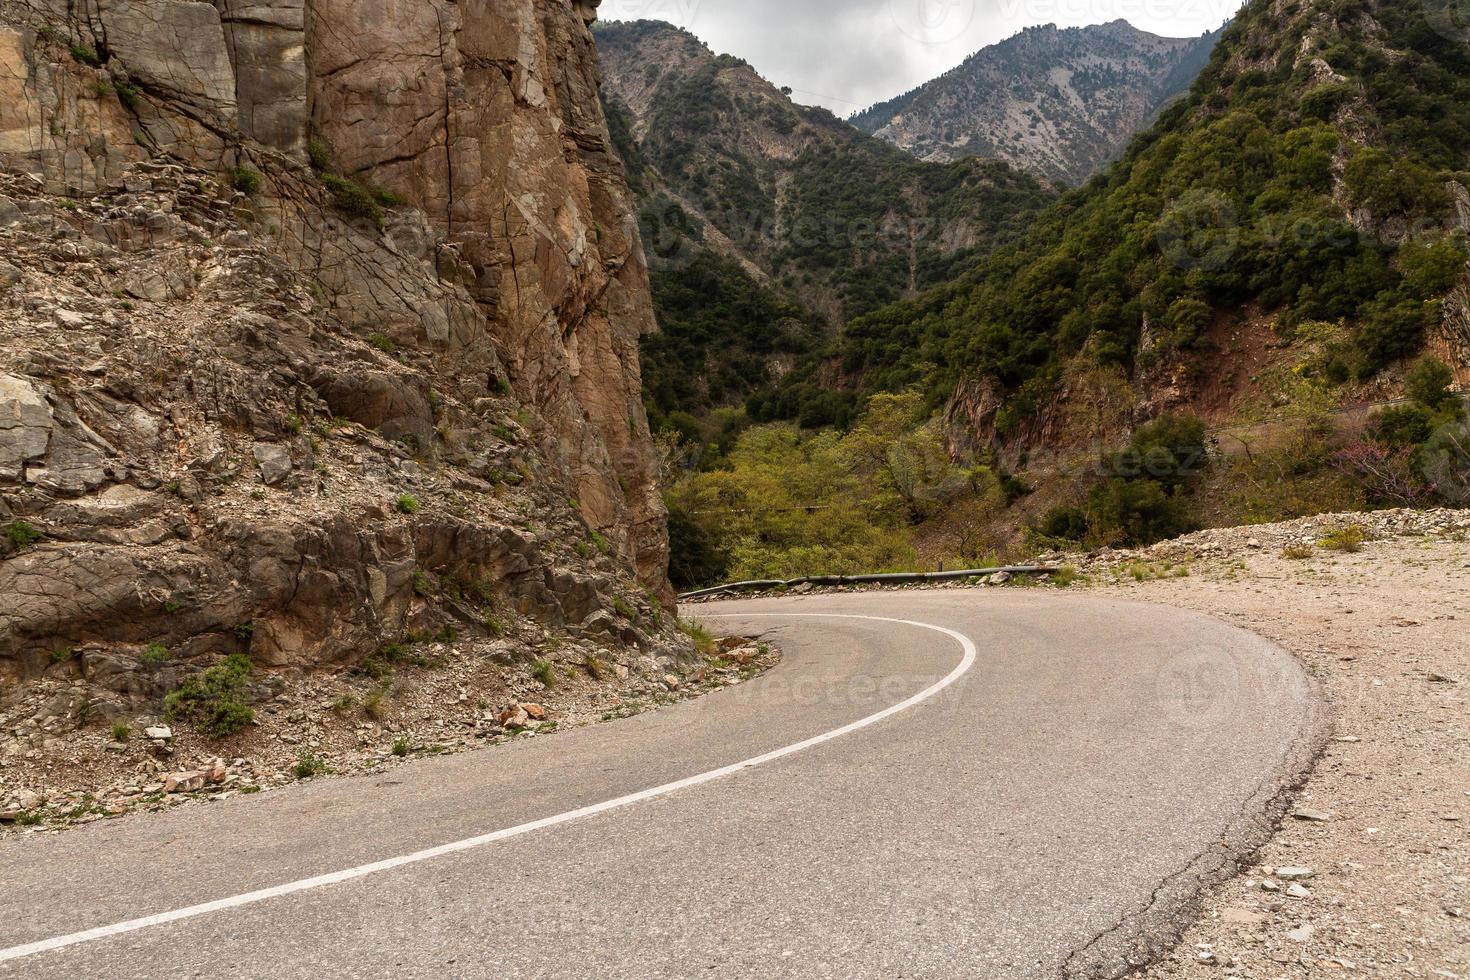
1061 102
185 782
274 461
1294 873
25 422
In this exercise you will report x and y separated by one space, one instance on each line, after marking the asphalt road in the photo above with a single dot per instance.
1042 800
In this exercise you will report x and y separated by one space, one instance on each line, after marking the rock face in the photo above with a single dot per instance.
1060 103
339 306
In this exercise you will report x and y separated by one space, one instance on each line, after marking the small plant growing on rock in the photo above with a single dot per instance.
319 155
214 699
704 640
61 655
245 180
381 342
308 765
1348 540
86 54
372 705
1298 552
22 534
121 732
423 583
154 655
400 747
597 667
623 608
545 672
407 504
352 199
294 424
128 94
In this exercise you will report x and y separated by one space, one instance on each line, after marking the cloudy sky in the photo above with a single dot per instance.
849 54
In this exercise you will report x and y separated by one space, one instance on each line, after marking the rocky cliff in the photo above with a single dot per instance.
318 325
1060 103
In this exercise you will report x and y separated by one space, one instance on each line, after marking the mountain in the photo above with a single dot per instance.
319 337
768 224
1060 103
1284 250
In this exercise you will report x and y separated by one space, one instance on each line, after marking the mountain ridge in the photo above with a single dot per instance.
1059 102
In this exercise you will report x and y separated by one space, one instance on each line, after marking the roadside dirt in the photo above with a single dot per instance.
1382 827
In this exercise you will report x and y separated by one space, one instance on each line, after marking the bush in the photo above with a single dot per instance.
245 180
308 765
214 699
407 504
545 672
352 198
86 54
1429 384
1347 539
400 747
1402 426
22 534
319 155
1064 524
1137 512
1170 450
154 655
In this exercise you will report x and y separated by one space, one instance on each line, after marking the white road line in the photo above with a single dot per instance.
337 877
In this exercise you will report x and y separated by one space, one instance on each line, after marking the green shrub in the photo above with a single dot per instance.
308 765
121 732
407 504
1349 539
545 672
214 699
400 747
1064 524
704 640
1429 384
1137 512
22 534
86 54
352 198
319 156
128 94
1402 426
154 655
245 180
382 343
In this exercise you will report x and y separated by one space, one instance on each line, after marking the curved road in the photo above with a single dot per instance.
937 784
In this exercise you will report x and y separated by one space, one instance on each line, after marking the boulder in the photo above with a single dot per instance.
25 423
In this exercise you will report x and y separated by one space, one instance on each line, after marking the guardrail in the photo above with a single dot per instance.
891 577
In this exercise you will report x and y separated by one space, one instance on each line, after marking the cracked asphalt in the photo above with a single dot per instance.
1054 812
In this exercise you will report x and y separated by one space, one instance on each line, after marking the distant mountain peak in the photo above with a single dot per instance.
1060 102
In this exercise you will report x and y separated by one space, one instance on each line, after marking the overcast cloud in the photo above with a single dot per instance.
849 54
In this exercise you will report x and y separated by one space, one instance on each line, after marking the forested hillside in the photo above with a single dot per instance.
1286 243
770 224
